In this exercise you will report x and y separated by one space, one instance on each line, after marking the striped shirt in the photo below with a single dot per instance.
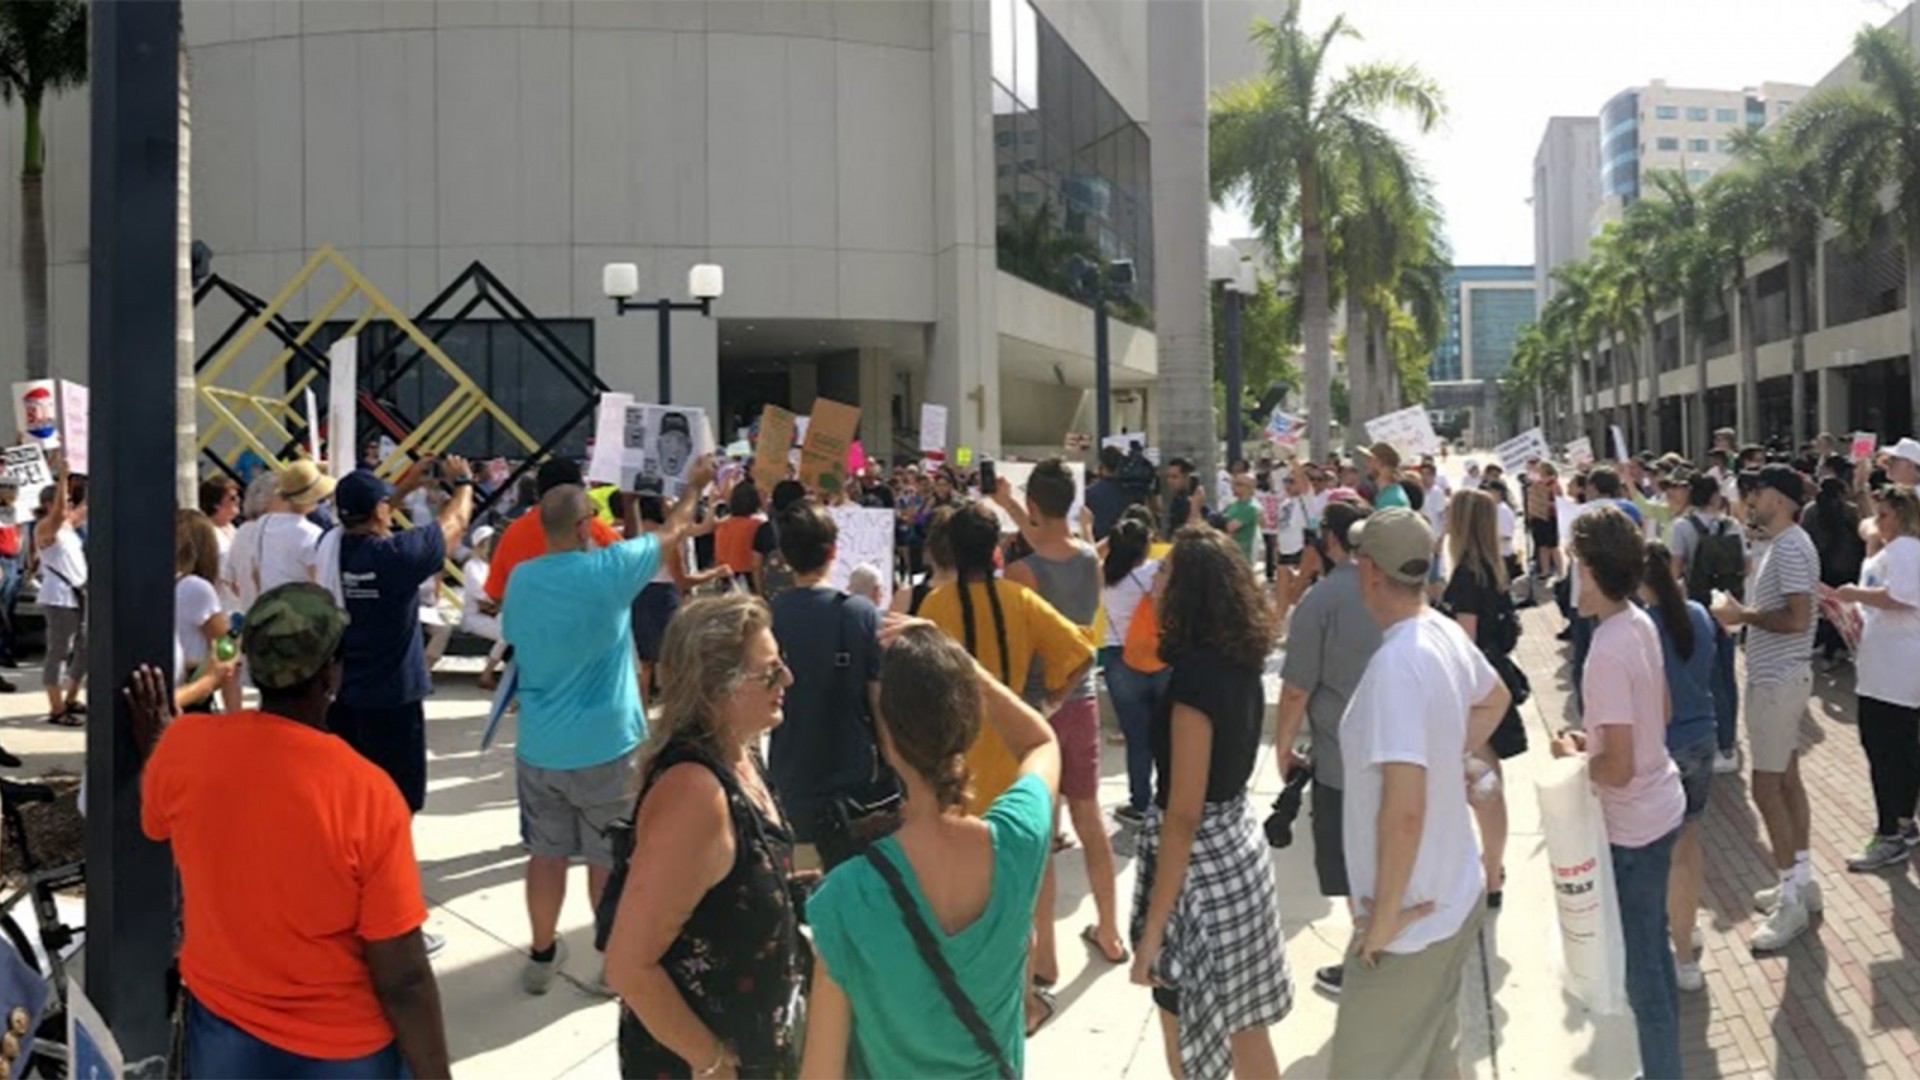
1790 565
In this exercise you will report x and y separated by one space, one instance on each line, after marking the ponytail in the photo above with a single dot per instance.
1670 602
974 533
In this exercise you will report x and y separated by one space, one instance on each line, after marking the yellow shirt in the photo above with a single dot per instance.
1033 628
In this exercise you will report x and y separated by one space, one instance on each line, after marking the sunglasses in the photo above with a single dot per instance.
770 678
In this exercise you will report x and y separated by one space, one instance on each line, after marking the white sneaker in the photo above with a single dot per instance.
1767 899
1780 928
538 976
1689 977
1699 938
1726 761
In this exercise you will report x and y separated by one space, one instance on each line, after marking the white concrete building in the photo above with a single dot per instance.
1676 129
854 165
1566 192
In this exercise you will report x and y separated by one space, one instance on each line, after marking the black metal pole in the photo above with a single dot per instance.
1235 437
136 147
1102 362
666 352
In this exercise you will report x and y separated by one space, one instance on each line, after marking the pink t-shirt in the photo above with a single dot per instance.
1625 685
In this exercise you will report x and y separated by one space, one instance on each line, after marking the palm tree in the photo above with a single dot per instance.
1568 320
1616 314
1868 140
43 49
1733 213
1383 216
1273 139
1791 186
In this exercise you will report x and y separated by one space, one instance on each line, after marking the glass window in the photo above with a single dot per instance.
1666 112
1725 116
1725 146
1696 112
1668 143
1698 146
1695 176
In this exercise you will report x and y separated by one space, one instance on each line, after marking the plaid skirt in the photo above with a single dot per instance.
1225 952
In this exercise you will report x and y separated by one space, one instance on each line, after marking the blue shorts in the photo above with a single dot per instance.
1695 761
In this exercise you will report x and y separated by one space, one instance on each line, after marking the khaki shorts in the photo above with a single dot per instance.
1402 1018
1773 721
567 811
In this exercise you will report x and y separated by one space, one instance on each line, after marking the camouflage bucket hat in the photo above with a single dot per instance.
291 633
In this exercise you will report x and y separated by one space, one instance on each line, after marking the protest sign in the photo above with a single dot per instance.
1619 443
1016 474
1409 430
24 995
95 1053
1580 452
866 538
604 466
313 423
823 451
74 408
963 457
1284 429
933 429
1518 452
658 446
343 406
26 466
770 455
36 412
1269 509
1864 443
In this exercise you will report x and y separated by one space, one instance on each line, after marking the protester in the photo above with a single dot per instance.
878 1007
865 581
1180 497
1477 598
1242 516
525 539
304 954
284 548
1066 574
676 577
1383 469
568 616
775 576
478 616
705 948
63 598
1888 677
1428 699
1687 654
1206 915
14 559
199 620
1779 624
1291 542
733 539
1127 577
1833 523
1625 711
1543 520
1435 502
1107 497
938 552
824 748
1709 555
1332 639
1903 463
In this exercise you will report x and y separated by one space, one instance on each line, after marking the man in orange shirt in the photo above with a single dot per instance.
525 540
303 953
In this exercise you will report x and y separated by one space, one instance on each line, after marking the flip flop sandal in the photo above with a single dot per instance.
1043 982
1091 935
1048 1007
67 719
1062 842
77 708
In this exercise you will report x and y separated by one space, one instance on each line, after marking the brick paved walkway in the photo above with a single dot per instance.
1843 1000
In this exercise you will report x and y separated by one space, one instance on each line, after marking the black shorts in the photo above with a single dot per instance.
1290 560
1509 740
1544 531
1329 852
393 738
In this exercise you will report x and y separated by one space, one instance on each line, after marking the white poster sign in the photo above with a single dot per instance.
933 429
313 423
639 446
1580 452
608 438
1017 472
866 539
74 409
343 406
36 412
27 467
1619 444
1409 430
1516 453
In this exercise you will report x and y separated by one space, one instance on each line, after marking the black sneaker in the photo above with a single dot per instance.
9 759
1128 815
1327 980
7 686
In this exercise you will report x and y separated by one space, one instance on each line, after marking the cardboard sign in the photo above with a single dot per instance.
866 538
74 406
823 452
1864 443
1518 452
36 412
770 456
1409 430
1580 452
343 406
1619 443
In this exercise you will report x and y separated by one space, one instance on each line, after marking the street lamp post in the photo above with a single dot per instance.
1236 289
1096 286
621 283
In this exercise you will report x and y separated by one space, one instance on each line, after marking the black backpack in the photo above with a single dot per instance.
1719 560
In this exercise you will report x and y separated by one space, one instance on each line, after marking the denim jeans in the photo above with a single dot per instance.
9 596
1583 628
1135 695
1726 691
218 1050
1640 879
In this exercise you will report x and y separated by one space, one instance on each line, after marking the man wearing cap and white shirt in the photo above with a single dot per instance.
1427 700
1779 620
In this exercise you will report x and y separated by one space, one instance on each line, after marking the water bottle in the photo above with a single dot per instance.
228 646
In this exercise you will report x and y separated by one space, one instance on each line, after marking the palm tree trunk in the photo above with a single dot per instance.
1316 319
1386 369
1797 326
185 432
1749 358
1359 353
1653 442
33 241
1703 438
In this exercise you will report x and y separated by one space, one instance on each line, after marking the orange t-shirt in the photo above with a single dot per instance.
733 542
294 851
525 539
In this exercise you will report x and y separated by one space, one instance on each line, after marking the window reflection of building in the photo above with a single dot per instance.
1070 166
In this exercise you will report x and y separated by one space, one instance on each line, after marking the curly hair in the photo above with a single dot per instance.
1212 600
702 659
1613 549
930 709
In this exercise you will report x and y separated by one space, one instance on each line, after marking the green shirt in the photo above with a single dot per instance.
903 1026
1247 513
1391 495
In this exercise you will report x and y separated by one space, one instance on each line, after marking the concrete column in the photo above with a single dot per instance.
876 402
963 346
1835 400
803 384
1177 108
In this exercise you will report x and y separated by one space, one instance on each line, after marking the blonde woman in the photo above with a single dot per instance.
1478 600
199 619
705 949
1886 678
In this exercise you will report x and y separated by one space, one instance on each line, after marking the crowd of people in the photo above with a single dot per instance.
819 835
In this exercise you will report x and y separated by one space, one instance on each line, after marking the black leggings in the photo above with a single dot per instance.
1890 734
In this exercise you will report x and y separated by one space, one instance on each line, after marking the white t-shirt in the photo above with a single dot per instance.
1507 525
1435 507
63 568
1888 664
1411 707
284 550
194 602
1292 531
1123 599
1316 507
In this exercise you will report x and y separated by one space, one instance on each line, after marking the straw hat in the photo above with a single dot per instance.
303 484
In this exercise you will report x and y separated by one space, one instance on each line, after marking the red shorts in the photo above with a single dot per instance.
1077 725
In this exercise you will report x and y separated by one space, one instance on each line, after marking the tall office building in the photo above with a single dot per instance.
1486 307
1669 128
1566 191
